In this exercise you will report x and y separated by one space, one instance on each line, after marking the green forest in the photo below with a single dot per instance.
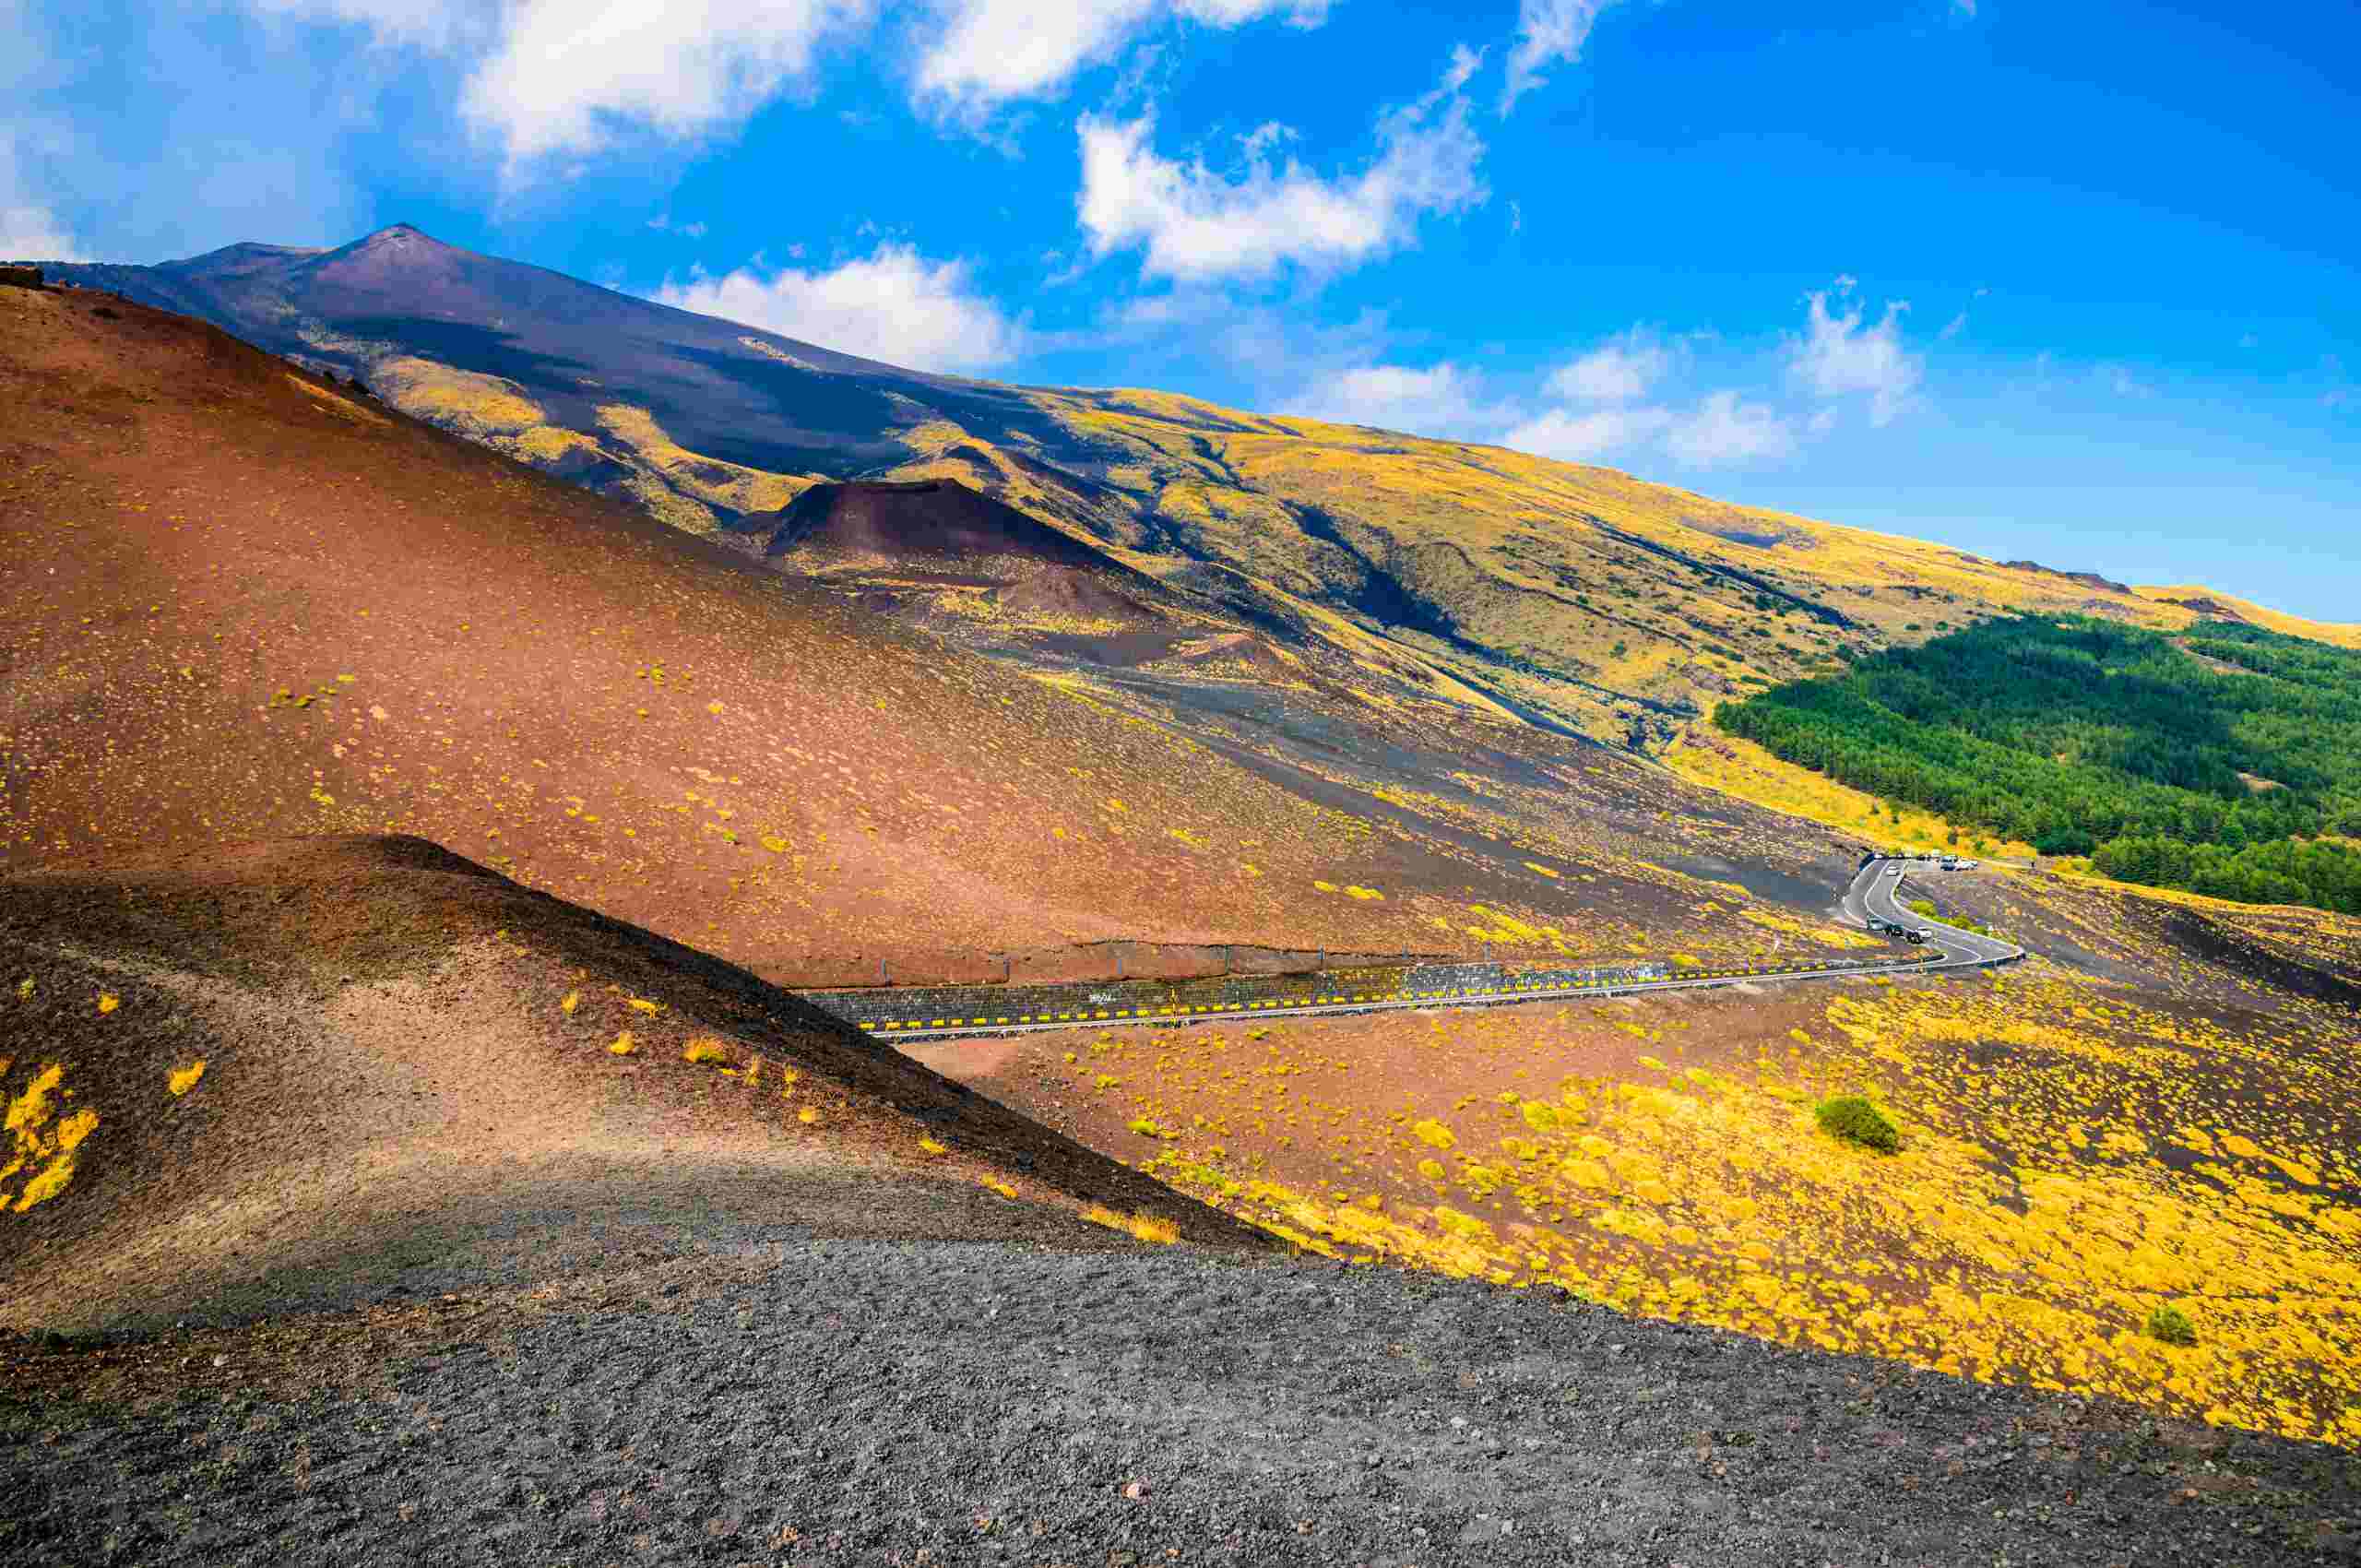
2225 760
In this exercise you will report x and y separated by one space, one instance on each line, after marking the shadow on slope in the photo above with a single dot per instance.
304 1072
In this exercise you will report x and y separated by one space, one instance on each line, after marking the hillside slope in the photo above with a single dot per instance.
282 1075
2220 763
1482 576
240 605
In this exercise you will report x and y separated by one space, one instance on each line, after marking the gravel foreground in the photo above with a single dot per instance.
922 1403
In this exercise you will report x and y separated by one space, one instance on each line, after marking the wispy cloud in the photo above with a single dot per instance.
1439 401
1581 436
1549 32
1722 429
891 305
1726 429
546 78
1841 355
1192 224
983 54
29 229
1612 401
1618 371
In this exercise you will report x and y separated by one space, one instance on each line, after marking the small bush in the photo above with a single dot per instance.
1852 1118
2171 1324
1139 1227
707 1047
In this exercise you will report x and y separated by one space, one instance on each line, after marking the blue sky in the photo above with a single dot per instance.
2072 280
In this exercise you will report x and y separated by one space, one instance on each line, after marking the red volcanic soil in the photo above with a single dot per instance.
404 1054
241 604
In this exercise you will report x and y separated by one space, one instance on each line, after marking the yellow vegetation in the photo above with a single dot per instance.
2151 1159
41 1150
1140 1226
1753 774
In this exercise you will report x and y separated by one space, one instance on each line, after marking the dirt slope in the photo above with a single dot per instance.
922 517
239 603
286 1073
1623 607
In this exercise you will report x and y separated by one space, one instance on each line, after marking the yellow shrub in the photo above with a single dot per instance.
1434 1134
707 1048
183 1079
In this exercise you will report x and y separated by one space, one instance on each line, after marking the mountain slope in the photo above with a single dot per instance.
1478 574
287 1073
241 604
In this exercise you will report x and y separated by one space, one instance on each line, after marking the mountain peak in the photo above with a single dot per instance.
397 235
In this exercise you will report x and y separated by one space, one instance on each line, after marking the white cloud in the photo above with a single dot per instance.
989 51
1726 429
892 305
1620 371
546 76
1720 429
1548 32
29 232
435 23
1581 438
29 229
1441 400
542 78
1839 356
1606 408
568 73
1193 224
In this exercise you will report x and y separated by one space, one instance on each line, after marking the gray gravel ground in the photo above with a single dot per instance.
903 1403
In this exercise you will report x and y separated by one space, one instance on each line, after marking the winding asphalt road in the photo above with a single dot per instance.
1873 892
1877 891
